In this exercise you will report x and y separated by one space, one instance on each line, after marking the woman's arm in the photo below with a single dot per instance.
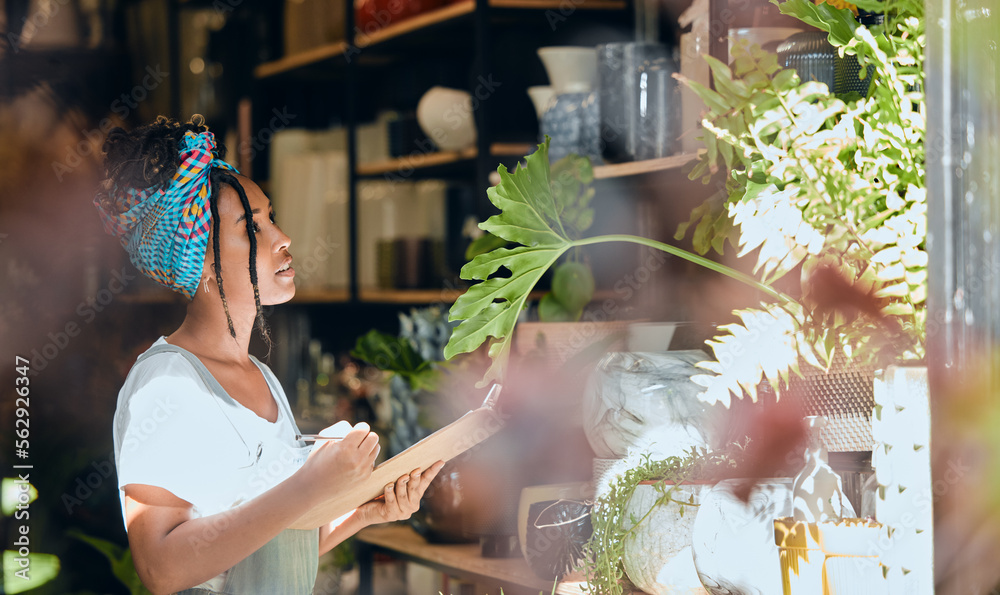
174 551
400 500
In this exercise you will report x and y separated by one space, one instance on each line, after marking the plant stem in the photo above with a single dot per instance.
690 257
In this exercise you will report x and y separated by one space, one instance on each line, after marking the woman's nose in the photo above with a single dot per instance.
282 241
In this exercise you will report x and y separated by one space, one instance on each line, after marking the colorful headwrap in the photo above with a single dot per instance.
165 228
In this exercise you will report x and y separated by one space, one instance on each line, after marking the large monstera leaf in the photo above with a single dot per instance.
531 214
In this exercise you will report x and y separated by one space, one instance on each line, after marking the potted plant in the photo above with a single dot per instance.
643 522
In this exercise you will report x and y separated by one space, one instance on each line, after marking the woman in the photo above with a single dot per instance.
210 474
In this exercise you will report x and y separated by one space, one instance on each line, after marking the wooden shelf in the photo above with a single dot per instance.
447 15
635 168
462 560
410 296
421 21
321 296
300 59
439 158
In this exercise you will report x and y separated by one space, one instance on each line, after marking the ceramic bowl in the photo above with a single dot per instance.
446 117
571 69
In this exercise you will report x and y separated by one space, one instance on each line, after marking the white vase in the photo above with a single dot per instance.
571 69
658 554
446 117
733 541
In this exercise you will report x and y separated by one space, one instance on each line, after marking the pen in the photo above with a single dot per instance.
316 437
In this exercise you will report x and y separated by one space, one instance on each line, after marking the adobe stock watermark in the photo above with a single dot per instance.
122 106
87 311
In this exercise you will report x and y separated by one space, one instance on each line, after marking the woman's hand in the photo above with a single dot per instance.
402 498
332 465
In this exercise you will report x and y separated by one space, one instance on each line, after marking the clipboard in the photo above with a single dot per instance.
443 445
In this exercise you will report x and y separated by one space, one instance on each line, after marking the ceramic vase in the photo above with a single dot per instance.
658 552
571 119
572 122
733 540
445 116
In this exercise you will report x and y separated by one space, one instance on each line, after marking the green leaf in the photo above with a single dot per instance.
734 91
394 354
838 22
712 99
483 244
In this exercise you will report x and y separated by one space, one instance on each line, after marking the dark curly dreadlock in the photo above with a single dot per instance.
148 156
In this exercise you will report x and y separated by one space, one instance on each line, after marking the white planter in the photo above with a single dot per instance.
657 554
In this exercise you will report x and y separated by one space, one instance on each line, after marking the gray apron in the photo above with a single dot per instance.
286 564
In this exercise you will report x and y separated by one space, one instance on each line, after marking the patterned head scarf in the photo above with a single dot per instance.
165 228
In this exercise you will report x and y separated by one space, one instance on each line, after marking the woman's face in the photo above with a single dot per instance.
274 273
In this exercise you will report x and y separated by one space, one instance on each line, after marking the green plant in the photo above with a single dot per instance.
603 553
830 188
396 355
536 216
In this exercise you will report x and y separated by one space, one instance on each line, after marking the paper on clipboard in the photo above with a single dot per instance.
443 445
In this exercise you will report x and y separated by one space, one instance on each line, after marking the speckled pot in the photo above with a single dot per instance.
657 554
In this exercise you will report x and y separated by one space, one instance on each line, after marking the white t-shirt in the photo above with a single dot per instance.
173 431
